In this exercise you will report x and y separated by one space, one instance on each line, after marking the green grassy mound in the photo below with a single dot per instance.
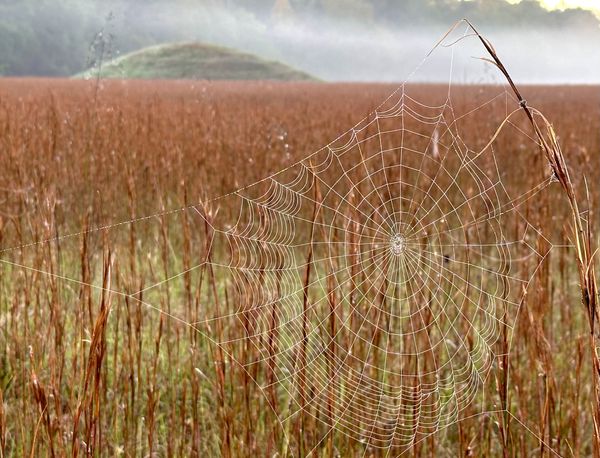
195 61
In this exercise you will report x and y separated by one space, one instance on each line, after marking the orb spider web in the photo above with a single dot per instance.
375 278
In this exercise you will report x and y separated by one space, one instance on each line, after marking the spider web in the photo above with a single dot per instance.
374 279
371 281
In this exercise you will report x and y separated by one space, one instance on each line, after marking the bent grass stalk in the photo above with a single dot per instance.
582 230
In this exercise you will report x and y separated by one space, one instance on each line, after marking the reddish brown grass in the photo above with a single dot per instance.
85 372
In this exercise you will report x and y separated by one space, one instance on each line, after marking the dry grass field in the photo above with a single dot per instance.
99 356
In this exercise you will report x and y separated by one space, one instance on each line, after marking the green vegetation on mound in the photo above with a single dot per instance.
195 61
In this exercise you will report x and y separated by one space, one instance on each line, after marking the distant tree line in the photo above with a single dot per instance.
63 37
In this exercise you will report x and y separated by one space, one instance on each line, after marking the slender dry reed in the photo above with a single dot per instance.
582 230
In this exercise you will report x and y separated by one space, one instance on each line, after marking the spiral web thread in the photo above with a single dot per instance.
374 278
386 329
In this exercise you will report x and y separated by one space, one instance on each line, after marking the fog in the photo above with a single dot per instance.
343 48
339 41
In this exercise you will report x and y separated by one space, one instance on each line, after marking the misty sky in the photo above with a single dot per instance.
592 5
334 40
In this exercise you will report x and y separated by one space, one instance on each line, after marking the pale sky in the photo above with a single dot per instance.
592 5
